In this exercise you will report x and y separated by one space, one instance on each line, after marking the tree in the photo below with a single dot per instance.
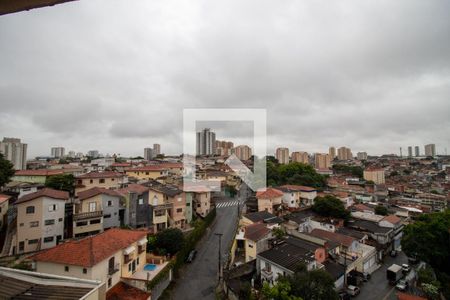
428 239
303 284
351 170
381 210
330 206
6 170
293 173
169 241
63 182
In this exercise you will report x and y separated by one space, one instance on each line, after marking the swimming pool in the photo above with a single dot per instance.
150 267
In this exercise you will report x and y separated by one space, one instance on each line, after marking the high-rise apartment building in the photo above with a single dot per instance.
223 148
410 153
301 157
282 155
93 153
57 152
322 161
15 151
417 151
430 150
243 152
345 153
361 155
332 152
156 149
149 153
206 142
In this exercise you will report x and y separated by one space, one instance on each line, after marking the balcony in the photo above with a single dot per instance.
162 207
113 269
267 274
88 215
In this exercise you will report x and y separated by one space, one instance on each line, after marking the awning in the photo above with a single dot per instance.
129 250
142 242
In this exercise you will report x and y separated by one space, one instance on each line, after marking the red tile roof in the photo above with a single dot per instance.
106 174
92 192
4 198
134 188
46 192
299 187
333 236
404 296
392 219
123 291
91 250
120 165
362 207
255 232
269 193
43 172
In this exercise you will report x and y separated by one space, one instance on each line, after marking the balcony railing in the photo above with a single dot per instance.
114 269
163 206
88 215
266 273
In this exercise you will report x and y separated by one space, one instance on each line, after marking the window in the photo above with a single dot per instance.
48 239
52 207
66 268
49 222
30 209
159 213
250 245
84 271
82 223
60 219
92 206
21 246
137 261
21 224
109 282
179 199
97 221
91 181
110 203
31 242
102 180
267 267
179 210
129 267
107 216
188 204
34 224
140 201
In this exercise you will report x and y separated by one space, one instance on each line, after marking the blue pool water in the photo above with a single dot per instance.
150 267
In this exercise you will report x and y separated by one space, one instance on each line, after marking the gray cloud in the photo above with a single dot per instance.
116 76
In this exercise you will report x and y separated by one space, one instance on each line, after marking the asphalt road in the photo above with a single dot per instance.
378 288
198 279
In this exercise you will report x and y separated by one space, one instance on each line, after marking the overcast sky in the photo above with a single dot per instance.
116 75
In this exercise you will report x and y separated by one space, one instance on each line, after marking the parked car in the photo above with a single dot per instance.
344 295
353 290
363 275
406 268
191 256
393 253
402 285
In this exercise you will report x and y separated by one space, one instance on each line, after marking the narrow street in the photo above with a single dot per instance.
199 279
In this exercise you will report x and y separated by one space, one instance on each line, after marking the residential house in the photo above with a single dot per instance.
189 205
96 210
251 240
304 194
138 211
169 205
107 257
4 205
149 172
283 259
35 176
107 180
394 222
22 188
269 200
40 220
201 200
264 216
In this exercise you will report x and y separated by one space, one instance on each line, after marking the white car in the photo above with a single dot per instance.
406 268
353 290
402 285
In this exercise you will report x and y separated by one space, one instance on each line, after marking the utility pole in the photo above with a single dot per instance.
220 255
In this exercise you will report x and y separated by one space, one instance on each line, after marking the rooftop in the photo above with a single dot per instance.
263 216
333 237
20 284
301 188
123 291
287 255
90 250
106 174
269 193
43 172
133 188
45 192
92 192
256 232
